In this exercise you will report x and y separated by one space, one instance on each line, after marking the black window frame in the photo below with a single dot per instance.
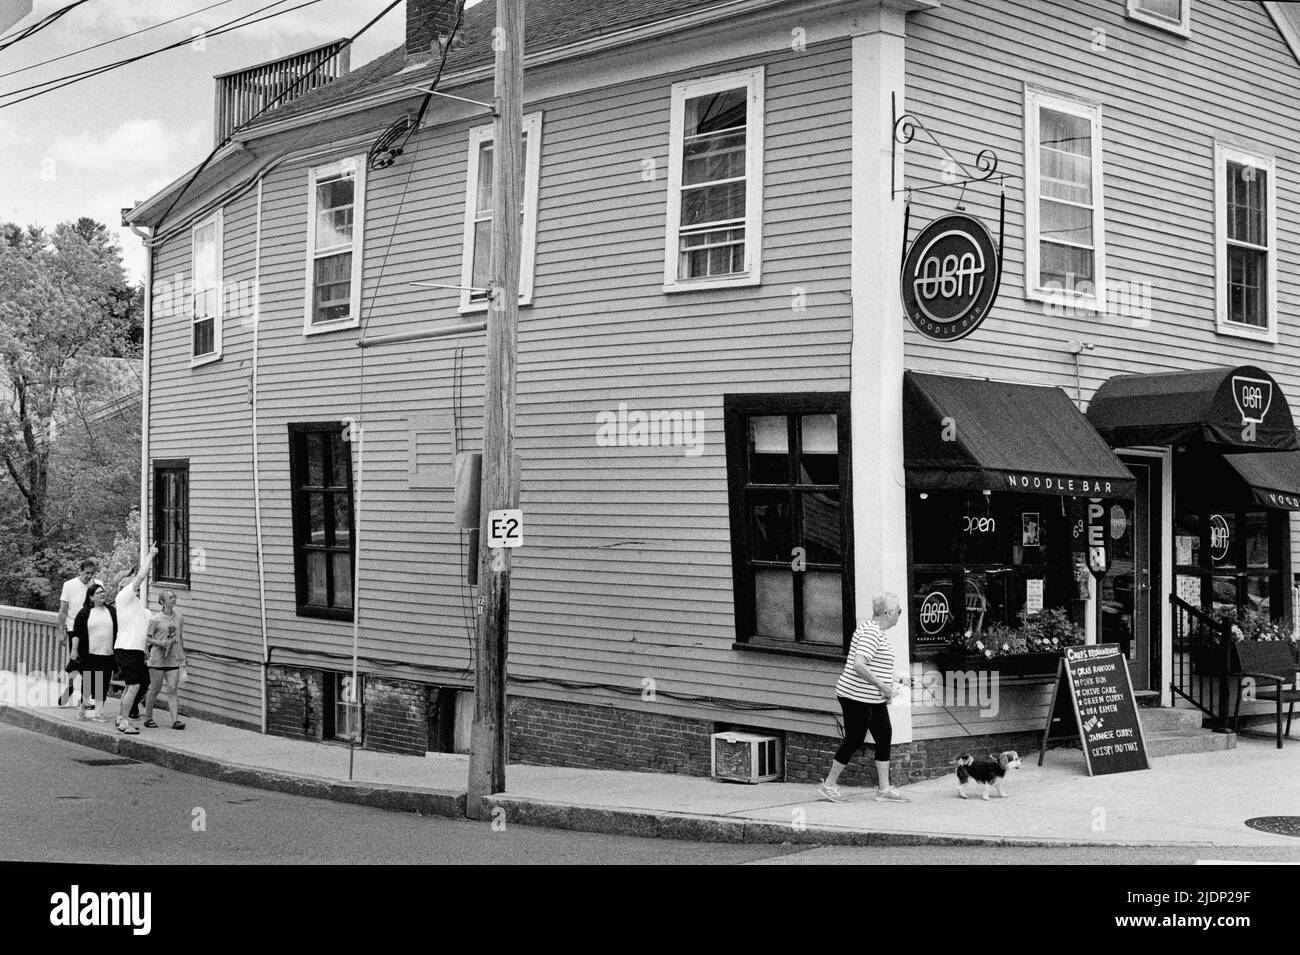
162 564
1277 573
737 410
299 492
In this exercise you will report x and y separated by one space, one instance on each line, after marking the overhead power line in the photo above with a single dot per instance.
117 39
230 25
37 27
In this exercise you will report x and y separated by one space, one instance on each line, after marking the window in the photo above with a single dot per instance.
715 182
791 538
171 521
205 291
476 260
1245 239
1065 249
336 216
1236 553
343 712
1172 15
320 461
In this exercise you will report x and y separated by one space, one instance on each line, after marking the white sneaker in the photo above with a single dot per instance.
832 793
890 795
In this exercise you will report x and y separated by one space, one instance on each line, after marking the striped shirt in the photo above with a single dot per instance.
870 643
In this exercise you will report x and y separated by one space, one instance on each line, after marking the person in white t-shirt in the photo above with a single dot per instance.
129 647
93 632
71 601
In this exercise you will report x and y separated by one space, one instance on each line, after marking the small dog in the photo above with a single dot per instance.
988 771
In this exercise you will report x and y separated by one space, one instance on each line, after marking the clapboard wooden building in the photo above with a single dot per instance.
730 432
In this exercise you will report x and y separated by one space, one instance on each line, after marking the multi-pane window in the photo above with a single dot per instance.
1172 15
790 524
1245 195
1065 247
320 460
171 521
1234 552
715 181
343 714
205 290
476 270
335 224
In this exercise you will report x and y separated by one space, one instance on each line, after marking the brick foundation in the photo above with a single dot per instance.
403 716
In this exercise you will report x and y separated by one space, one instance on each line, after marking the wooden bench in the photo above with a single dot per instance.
1271 670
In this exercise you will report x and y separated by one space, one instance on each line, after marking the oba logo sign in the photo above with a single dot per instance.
950 277
934 612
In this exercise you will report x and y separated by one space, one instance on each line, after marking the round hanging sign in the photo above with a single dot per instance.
950 277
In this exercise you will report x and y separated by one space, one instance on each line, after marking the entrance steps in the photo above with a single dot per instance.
1173 732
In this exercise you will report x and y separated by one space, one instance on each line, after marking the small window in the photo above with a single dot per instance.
715 182
788 460
205 291
1172 15
336 215
171 521
320 460
476 262
343 707
1065 248
1245 243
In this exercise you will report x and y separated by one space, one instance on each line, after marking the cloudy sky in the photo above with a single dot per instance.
112 140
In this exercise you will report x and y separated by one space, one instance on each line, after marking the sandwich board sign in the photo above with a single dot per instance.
1093 703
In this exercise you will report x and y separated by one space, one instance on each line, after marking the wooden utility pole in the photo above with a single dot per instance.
500 488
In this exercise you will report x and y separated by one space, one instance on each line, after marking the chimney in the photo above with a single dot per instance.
428 24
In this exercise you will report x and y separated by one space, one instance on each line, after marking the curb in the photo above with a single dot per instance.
377 795
685 827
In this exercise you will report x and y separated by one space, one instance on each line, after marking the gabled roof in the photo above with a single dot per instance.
548 24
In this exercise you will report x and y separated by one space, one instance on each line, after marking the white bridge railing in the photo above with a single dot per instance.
31 640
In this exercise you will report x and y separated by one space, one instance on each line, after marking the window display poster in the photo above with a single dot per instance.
1189 589
1029 526
1033 595
1183 545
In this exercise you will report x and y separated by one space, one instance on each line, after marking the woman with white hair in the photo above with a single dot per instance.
864 690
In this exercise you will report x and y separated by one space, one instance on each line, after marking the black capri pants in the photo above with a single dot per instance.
858 719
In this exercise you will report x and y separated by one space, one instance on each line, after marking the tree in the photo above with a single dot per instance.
66 310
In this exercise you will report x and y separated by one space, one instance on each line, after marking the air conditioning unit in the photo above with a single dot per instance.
746 757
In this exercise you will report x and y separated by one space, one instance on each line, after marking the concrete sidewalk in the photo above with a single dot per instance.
1195 799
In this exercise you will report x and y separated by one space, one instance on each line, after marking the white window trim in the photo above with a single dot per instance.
1034 100
358 165
752 80
528 240
216 219
1223 153
1183 27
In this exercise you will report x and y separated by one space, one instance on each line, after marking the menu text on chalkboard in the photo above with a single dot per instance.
1093 702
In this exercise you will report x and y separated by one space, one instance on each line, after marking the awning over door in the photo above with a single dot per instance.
1213 406
965 434
1272 476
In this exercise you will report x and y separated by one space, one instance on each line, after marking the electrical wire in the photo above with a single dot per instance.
47 20
70 79
116 39
271 105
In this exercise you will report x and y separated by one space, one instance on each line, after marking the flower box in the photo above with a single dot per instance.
1008 665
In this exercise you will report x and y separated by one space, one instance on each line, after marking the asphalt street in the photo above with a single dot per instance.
60 802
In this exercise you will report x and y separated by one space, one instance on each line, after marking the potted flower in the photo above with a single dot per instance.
1243 624
1032 649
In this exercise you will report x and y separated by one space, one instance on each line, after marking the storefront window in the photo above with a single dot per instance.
1234 553
980 559
1256 538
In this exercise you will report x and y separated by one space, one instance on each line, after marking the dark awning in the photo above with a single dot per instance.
1273 476
964 434
1211 406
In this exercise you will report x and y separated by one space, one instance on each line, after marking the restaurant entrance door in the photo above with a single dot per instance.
1131 598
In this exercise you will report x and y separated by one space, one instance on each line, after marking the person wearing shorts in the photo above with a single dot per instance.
94 630
164 638
864 691
129 647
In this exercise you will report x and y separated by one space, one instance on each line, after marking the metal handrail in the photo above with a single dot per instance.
1190 678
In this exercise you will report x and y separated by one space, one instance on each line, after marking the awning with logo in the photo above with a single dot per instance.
967 434
1231 408
1272 476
